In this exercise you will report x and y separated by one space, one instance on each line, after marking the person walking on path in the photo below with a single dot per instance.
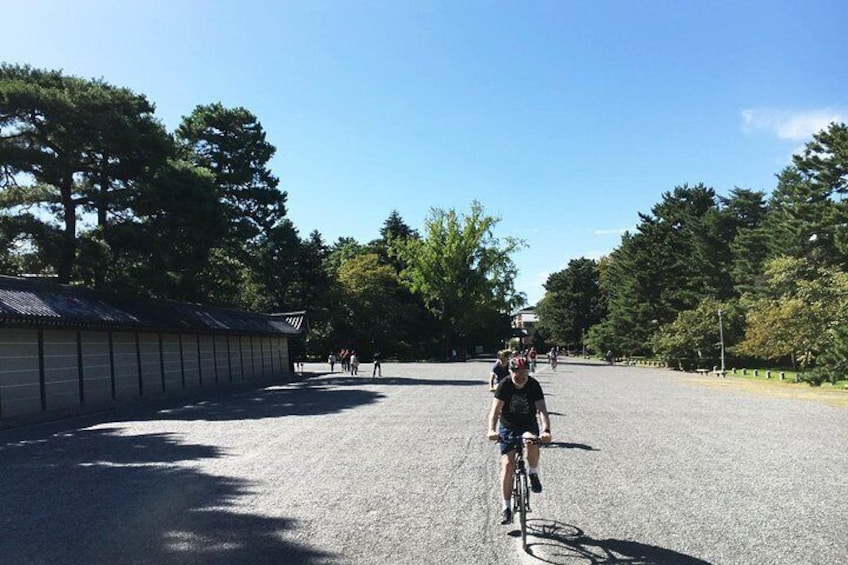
354 363
378 369
332 361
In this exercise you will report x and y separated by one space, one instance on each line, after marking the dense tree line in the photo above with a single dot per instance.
776 267
94 190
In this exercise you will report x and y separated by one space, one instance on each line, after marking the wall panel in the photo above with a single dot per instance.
20 392
207 361
191 363
151 374
126 365
171 362
61 369
96 367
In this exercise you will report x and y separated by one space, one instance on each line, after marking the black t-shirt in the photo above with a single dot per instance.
500 371
519 408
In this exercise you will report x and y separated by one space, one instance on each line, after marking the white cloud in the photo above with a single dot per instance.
786 124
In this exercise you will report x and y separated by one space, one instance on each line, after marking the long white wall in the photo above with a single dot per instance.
48 370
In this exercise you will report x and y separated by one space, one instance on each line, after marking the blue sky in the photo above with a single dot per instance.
564 118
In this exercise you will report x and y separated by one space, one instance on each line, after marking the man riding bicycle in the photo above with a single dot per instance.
518 406
500 370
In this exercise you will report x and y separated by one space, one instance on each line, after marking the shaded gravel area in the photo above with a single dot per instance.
647 467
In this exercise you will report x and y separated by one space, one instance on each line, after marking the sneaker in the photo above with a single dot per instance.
506 517
535 485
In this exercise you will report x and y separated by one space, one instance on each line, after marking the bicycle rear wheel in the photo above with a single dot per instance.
522 508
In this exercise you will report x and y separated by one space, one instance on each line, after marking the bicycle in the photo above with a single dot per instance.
520 487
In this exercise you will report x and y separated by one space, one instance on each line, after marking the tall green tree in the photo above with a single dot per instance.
677 256
823 165
793 320
693 339
372 297
394 229
261 245
801 218
460 269
572 303
745 212
70 145
231 143
162 248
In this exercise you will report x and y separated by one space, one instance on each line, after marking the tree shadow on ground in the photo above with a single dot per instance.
342 380
299 399
561 544
102 496
285 395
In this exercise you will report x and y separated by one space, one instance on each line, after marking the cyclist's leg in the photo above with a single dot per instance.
531 451
507 463
532 455
507 472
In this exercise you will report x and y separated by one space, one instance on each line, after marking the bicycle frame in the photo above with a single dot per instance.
520 486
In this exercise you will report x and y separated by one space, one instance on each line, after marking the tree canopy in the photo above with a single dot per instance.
94 190
461 270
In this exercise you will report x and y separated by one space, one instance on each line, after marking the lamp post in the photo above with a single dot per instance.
583 340
721 338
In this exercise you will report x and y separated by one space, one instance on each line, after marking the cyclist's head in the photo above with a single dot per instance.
519 371
519 365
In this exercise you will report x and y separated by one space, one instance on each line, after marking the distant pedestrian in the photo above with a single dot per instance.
378 369
332 361
354 363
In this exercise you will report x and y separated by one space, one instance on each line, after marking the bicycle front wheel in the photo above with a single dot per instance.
523 503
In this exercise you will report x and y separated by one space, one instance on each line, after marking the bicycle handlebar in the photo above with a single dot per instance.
514 440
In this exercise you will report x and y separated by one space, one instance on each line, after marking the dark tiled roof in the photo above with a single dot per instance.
297 320
38 303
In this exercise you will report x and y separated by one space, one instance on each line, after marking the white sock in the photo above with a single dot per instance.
507 503
533 470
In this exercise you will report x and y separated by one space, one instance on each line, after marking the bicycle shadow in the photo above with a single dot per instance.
567 445
558 543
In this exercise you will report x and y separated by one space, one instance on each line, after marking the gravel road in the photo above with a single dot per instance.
647 467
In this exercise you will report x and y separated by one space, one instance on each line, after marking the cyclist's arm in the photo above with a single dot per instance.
544 420
494 412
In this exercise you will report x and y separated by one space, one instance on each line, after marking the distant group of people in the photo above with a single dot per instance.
349 361
347 358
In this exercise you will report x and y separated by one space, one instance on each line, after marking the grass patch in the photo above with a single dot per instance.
834 395
782 375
